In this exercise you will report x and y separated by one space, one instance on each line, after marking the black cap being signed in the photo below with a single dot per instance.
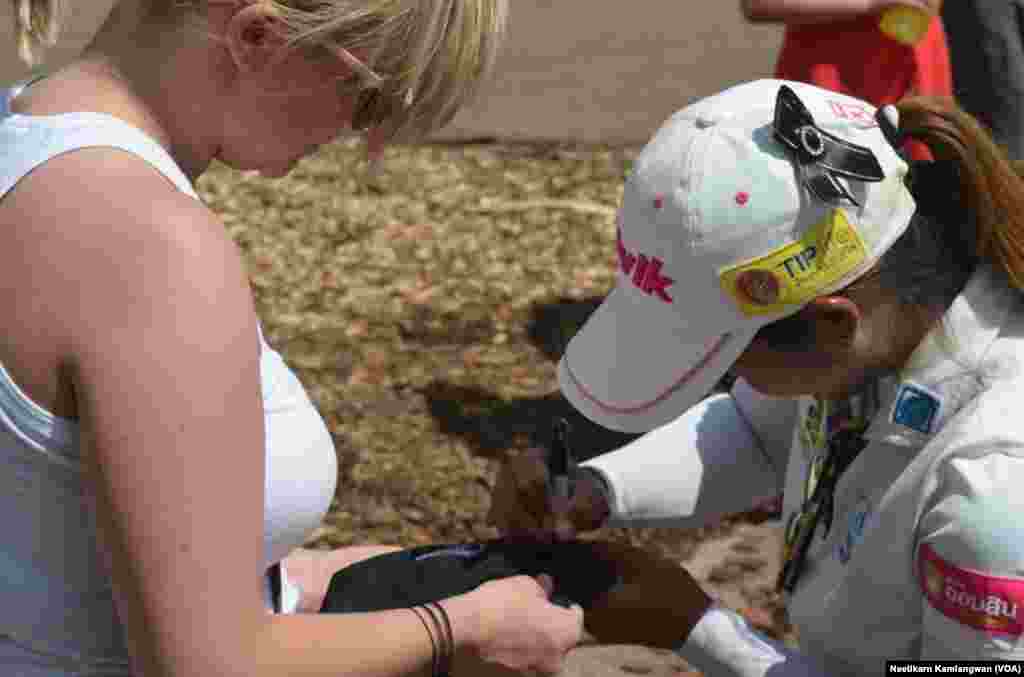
431 573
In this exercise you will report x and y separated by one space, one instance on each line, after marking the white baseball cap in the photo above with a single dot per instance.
742 208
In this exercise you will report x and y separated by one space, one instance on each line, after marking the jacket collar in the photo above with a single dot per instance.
950 367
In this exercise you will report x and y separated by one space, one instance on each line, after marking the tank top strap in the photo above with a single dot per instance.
28 141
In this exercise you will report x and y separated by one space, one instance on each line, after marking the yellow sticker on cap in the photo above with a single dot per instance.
795 273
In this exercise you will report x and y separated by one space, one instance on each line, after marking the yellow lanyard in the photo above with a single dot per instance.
837 426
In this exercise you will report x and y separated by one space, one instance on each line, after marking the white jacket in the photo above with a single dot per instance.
925 556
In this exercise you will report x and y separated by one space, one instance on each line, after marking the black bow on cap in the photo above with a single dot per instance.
821 156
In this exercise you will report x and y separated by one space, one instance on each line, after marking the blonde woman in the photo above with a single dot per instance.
157 455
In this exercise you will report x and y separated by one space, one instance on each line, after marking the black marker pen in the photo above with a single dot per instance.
561 463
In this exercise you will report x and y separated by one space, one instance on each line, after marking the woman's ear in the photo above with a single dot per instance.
252 38
835 320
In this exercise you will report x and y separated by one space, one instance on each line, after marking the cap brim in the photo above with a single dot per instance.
634 368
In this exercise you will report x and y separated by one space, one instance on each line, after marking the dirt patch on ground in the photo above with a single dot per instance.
425 311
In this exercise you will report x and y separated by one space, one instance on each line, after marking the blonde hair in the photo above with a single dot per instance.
37 26
433 55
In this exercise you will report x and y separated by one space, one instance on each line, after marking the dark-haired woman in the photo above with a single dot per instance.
872 312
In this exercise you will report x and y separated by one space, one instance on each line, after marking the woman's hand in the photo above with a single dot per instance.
656 604
522 507
511 623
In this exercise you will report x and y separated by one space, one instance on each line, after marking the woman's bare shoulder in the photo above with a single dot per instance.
100 220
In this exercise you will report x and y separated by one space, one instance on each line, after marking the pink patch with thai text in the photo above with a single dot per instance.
992 604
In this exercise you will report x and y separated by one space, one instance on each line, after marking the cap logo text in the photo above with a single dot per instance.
800 263
794 273
644 271
852 111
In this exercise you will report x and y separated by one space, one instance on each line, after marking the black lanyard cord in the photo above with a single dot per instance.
843 448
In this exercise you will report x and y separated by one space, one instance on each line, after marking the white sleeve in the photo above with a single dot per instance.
721 644
706 464
773 420
970 560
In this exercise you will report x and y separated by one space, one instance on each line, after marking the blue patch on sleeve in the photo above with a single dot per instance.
915 409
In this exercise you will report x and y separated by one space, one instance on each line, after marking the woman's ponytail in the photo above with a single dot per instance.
991 189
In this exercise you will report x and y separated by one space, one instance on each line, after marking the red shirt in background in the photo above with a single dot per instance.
854 57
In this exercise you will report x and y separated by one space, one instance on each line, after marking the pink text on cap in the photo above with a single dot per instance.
645 271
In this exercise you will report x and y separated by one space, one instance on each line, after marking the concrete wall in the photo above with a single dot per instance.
613 70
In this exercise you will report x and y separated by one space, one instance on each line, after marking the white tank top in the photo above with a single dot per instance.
57 616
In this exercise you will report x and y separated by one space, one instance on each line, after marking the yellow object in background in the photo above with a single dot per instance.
905 23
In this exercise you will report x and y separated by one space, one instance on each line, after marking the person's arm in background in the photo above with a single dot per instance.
721 457
818 11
